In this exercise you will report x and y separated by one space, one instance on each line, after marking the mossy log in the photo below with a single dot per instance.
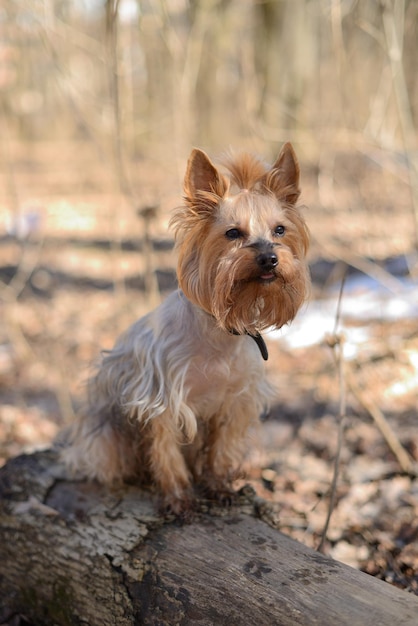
73 553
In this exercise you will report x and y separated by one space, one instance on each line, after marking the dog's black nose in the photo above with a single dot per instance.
267 260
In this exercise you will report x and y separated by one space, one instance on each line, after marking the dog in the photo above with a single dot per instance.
172 403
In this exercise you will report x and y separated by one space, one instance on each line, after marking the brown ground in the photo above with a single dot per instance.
81 277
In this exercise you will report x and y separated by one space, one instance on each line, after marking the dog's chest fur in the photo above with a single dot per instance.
222 373
220 368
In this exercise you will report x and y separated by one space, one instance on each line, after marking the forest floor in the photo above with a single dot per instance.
76 269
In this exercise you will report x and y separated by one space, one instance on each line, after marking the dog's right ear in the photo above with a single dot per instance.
202 177
283 179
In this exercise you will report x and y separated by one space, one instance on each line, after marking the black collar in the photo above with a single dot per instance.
259 341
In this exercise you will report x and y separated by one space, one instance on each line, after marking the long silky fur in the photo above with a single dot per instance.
173 401
152 371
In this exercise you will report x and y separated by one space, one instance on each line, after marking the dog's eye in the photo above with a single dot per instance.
280 230
233 233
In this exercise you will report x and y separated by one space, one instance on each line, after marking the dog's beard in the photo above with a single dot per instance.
240 295
246 300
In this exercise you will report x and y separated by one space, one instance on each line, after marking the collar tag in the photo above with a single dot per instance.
261 345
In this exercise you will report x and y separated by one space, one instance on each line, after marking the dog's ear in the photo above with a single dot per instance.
283 178
202 177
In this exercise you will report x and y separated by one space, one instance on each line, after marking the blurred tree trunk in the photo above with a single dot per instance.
286 55
160 73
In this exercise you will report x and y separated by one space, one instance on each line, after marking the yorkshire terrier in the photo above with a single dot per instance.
172 403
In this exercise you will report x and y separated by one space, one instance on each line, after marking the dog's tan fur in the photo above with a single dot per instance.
172 403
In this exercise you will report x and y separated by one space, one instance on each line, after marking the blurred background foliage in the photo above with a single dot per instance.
101 102
146 75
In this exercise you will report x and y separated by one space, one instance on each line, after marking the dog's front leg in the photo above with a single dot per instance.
225 443
168 467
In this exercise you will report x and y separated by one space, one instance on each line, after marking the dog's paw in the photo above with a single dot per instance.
181 508
219 493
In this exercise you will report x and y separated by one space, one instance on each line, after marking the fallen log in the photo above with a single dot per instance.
73 553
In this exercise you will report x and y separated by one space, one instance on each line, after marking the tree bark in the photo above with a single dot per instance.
73 553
